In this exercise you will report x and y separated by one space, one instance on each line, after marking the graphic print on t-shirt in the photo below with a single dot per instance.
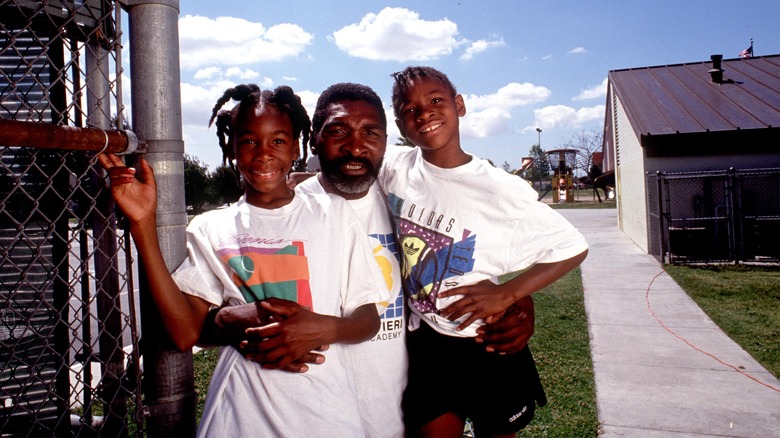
262 272
429 257
392 318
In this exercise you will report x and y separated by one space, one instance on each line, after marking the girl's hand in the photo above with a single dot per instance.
511 333
133 190
489 301
480 300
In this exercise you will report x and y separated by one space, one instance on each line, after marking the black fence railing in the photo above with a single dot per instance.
730 216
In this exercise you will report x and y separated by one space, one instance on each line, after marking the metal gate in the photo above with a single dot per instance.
729 216
69 361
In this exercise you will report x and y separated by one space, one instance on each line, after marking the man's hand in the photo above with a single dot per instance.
511 333
294 334
228 325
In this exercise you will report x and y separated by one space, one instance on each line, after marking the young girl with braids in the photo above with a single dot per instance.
303 258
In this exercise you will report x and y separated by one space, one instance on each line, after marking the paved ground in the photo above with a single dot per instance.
662 367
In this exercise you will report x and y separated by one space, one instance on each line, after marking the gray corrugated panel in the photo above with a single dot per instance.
682 98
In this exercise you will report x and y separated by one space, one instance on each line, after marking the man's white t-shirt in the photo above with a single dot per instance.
380 364
311 251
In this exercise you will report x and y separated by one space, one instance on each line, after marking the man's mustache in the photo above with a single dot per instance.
338 162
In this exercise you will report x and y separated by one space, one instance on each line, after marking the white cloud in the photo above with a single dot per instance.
228 40
308 100
577 50
198 100
490 114
562 116
397 34
508 96
242 73
481 124
480 46
594 92
546 57
208 72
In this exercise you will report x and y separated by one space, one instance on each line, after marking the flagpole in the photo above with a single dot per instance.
747 53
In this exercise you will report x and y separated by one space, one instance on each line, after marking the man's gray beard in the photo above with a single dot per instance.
350 185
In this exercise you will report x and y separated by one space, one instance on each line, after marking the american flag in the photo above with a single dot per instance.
747 53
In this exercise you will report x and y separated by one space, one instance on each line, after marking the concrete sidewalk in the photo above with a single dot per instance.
648 342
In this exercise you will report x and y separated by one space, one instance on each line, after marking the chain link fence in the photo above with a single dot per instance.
69 332
730 216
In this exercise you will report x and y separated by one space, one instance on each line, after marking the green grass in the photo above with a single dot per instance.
204 362
561 347
744 301
609 203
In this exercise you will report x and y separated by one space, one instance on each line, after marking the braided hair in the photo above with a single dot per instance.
249 97
404 80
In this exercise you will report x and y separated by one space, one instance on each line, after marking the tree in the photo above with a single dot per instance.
540 170
586 142
225 186
196 179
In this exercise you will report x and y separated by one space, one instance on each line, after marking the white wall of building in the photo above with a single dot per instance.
630 178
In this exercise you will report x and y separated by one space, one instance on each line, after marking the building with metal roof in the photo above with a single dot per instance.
705 116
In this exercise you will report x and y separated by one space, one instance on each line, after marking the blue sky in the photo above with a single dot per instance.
519 64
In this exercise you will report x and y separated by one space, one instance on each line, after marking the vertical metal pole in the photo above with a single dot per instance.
107 290
666 254
734 216
538 166
98 89
156 101
59 238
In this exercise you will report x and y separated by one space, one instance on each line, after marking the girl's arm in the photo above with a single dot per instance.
489 301
135 192
300 331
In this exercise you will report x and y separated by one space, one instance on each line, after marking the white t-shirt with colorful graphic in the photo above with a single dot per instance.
312 251
379 365
463 225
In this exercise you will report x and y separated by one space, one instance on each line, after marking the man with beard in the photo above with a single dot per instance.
349 135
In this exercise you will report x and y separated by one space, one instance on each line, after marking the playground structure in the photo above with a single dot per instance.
563 162
565 165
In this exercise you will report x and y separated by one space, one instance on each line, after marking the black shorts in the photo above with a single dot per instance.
498 393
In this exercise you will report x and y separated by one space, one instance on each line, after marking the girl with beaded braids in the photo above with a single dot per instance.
251 94
303 260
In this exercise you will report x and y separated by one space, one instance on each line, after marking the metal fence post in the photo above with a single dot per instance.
662 230
156 102
734 216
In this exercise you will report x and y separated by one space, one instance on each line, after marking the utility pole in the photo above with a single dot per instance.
538 162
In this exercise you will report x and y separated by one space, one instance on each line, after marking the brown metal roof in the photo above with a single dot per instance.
676 99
